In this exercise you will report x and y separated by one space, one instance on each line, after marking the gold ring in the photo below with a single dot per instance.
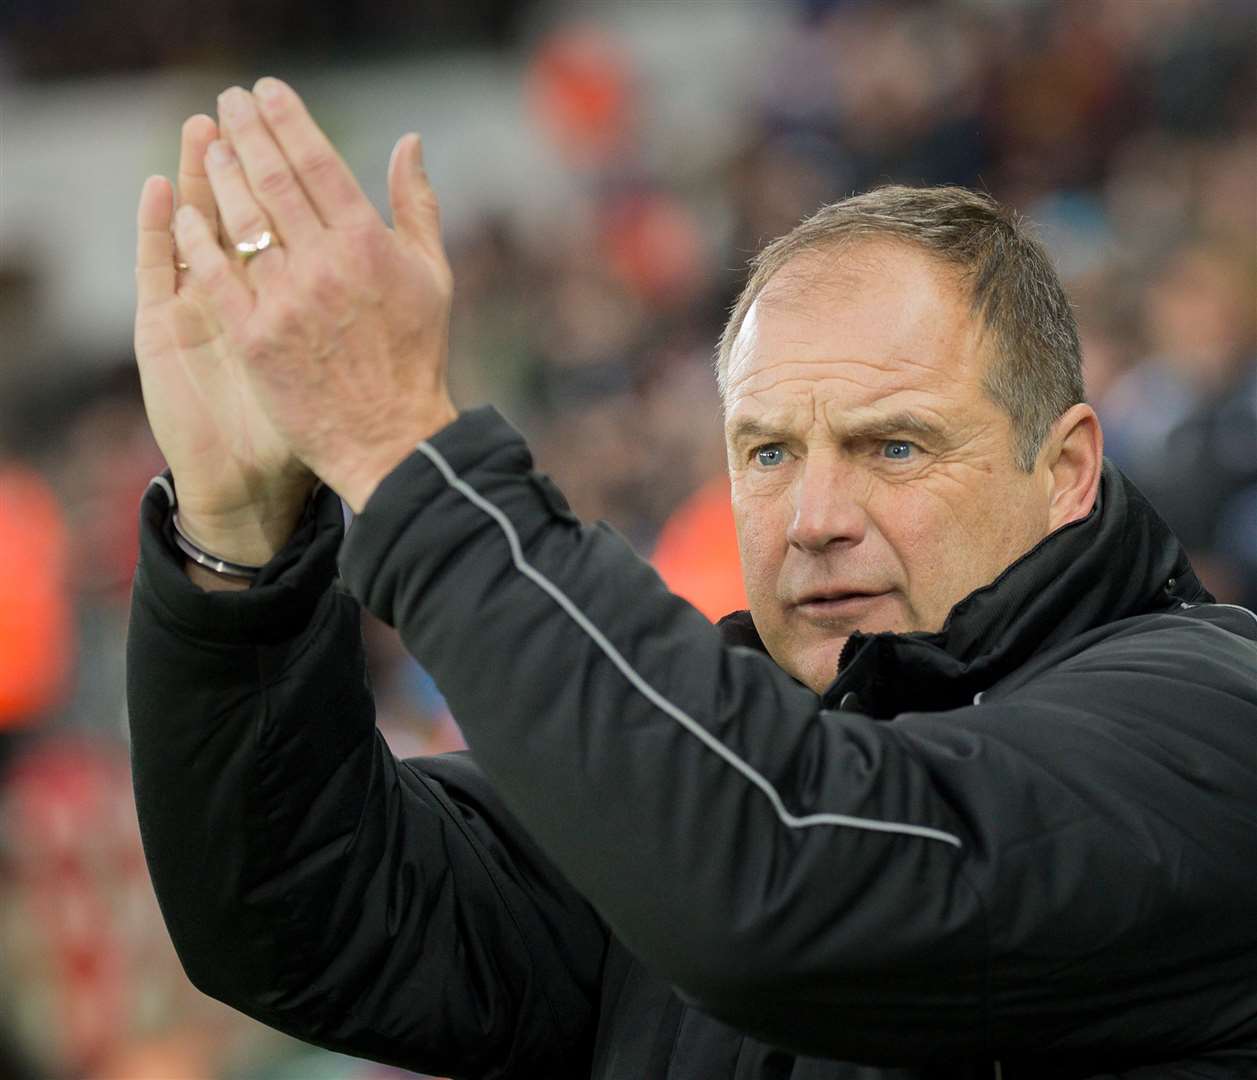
247 249
182 267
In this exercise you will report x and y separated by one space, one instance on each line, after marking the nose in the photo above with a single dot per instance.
827 506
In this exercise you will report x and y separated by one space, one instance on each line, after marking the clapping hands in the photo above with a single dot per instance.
323 354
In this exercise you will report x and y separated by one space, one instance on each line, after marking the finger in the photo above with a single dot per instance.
267 170
194 186
322 172
243 219
416 213
230 299
154 249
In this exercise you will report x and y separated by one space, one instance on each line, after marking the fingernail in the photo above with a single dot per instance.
231 103
268 89
418 151
219 152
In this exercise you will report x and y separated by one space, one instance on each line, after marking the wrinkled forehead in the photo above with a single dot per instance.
869 313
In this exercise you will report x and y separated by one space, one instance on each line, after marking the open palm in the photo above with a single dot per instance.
229 464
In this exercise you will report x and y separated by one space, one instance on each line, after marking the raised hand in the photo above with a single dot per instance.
342 325
241 489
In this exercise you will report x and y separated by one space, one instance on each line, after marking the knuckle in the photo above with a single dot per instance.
326 283
251 229
287 314
253 347
429 204
258 336
277 109
318 163
275 183
247 122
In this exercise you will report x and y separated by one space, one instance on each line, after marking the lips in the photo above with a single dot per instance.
837 603
835 596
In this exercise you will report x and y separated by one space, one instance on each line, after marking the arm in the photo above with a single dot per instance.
854 917
843 887
387 909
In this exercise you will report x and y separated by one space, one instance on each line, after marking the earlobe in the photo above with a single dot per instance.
1077 446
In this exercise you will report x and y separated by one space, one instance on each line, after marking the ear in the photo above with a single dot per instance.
1073 457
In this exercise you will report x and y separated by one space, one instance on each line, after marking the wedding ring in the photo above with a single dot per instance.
246 249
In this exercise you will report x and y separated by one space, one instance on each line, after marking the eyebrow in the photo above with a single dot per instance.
748 429
900 423
869 427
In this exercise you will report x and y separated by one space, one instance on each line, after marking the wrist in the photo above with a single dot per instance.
247 542
250 535
357 485
218 564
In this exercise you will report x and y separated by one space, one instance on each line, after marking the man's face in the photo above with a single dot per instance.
874 481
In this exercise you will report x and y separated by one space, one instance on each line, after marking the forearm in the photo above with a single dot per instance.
310 879
694 793
846 887
307 876
202 672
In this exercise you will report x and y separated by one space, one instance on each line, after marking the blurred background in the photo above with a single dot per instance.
605 172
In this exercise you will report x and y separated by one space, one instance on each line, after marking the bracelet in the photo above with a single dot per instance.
211 562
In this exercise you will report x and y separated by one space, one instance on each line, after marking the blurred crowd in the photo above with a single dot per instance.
1126 129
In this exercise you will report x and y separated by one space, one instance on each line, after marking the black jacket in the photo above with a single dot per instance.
1023 846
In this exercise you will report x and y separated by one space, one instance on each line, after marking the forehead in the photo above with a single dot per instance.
857 325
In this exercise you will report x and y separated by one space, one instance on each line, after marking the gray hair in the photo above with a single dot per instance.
1035 373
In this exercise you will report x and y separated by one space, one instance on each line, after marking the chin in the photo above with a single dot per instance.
820 667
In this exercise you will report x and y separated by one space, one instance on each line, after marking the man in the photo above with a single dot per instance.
970 792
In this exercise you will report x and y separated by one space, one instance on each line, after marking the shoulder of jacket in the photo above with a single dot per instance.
1192 645
1231 617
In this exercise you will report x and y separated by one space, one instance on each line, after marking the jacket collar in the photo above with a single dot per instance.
1120 560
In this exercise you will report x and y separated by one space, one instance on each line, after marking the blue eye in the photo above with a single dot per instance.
898 449
770 456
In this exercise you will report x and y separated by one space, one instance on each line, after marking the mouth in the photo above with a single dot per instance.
829 606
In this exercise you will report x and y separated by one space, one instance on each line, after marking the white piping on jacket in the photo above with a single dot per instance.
1237 608
650 693
1184 606
164 484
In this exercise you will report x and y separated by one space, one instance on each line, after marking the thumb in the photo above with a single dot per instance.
416 214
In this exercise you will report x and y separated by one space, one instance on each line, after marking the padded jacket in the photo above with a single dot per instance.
1023 846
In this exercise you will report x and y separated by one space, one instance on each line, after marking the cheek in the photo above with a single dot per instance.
933 543
917 539
761 542
949 547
